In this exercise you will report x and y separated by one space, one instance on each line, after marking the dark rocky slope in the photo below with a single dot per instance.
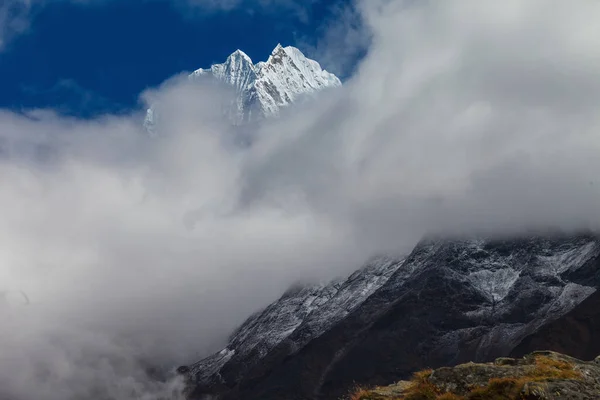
300 315
577 333
449 302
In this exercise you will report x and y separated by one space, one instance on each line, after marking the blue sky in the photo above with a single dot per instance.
95 58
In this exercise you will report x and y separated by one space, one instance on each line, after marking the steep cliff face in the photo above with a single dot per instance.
264 88
450 301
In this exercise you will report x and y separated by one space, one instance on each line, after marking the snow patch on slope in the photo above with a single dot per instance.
494 284
571 257
571 295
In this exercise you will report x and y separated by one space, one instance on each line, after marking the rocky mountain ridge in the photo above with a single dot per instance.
448 302
300 315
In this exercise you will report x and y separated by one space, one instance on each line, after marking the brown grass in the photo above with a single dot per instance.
547 368
499 389
544 369
449 396
421 388
366 394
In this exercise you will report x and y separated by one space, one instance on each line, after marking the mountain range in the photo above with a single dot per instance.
264 88
448 302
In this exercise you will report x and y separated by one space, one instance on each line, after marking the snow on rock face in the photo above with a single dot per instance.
571 295
264 88
150 122
567 258
348 296
286 76
494 284
448 301
494 266
300 315
524 282
237 71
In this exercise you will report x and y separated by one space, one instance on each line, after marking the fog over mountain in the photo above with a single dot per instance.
138 252
263 89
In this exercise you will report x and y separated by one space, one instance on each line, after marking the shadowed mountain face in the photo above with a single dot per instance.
575 333
448 302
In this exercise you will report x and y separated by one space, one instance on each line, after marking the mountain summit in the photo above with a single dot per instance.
264 88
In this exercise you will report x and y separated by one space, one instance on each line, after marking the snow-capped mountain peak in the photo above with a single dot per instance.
238 70
240 53
266 87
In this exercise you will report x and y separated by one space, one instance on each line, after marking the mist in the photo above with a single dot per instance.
141 252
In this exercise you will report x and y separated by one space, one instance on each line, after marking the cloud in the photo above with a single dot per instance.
140 252
453 97
13 19
344 40
99 237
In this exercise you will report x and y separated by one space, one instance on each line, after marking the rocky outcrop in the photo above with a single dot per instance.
449 302
541 375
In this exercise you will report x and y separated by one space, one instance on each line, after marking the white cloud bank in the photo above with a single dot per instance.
464 116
